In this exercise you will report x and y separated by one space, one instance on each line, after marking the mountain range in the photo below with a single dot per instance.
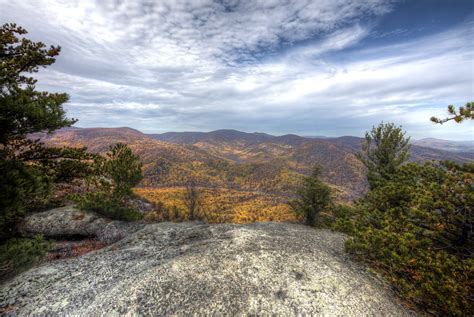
242 161
454 146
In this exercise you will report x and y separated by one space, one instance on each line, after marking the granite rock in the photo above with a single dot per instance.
194 268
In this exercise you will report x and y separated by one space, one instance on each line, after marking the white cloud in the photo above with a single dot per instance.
275 66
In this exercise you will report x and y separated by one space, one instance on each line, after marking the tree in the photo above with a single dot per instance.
23 110
464 113
416 228
384 150
192 199
113 177
20 184
123 168
313 197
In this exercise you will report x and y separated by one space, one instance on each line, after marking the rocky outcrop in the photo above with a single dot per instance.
62 222
70 222
200 269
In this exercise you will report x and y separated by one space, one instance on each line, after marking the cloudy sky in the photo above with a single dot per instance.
310 67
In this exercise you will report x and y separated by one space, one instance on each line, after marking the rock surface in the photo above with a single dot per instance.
62 222
199 269
69 221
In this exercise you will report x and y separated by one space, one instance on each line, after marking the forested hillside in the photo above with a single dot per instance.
238 160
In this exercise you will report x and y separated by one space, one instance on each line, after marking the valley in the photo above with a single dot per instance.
243 177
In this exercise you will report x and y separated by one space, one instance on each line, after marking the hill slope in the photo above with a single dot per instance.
455 146
239 160
231 140
417 153
224 162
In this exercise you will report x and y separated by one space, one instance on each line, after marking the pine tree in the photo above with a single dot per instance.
385 149
416 229
123 168
113 176
463 113
24 110
313 197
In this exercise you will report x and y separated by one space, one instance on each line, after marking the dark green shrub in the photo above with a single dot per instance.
313 197
20 185
19 254
108 206
66 164
123 168
113 178
331 215
344 218
416 229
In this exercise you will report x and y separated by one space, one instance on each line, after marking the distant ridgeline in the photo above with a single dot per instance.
245 161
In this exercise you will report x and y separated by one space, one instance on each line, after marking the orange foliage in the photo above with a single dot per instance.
76 250
221 205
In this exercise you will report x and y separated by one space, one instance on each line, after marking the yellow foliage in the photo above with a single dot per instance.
223 205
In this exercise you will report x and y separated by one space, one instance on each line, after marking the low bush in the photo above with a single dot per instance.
314 197
108 206
18 254
20 186
416 229
343 218
113 178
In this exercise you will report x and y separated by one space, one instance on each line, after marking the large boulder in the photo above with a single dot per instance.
66 221
200 269
71 222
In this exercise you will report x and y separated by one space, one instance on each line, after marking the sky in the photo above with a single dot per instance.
309 67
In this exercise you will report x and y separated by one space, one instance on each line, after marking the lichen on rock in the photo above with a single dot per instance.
200 269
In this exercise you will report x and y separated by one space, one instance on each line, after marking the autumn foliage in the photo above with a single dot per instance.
218 205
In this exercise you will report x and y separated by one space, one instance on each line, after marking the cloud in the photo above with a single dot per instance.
273 66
